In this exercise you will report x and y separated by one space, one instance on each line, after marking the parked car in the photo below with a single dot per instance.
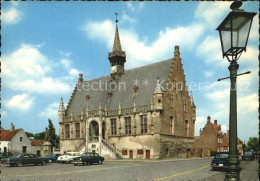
51 158
220 160
25 158
68 157
88 158
248 155
4 156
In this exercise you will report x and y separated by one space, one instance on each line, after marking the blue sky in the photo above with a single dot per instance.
45 45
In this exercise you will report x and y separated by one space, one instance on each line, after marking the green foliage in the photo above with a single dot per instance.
39 136
53 136
253 144
29 134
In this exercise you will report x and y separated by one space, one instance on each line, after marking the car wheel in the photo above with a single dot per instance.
85 163
75 164
43 163
62 162
19 164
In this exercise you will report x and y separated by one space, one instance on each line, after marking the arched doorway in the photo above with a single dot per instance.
103 129
93 131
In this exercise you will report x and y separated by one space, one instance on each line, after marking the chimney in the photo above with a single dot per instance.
80 79
208 121
12 127
215 122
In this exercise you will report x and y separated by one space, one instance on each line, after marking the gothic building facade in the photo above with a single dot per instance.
145 112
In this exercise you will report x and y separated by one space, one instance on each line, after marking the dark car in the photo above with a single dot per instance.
25 158
88 158
4 156
220 160
52 158
249 155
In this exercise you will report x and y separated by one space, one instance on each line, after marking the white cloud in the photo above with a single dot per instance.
212 13
11 16
140 52
128 19
208 74
130 6
21 102
224 128
66 63
51 111
254 34
27 69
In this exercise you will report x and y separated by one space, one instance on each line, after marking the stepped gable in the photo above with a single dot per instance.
125 96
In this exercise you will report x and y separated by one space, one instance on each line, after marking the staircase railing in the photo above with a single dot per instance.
80 146
111 148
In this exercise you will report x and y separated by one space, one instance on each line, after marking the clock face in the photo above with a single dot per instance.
113 69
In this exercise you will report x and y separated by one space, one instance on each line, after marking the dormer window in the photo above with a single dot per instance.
136 88
87 98
109 94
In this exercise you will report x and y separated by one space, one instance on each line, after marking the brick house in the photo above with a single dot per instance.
212 140
145 112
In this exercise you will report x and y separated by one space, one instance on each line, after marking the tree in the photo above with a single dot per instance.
253 144
29 134
53 136
39 136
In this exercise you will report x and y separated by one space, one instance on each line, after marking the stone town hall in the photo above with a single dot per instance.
145 112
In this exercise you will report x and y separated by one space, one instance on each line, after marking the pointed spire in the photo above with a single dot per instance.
117 44
61 109
158 89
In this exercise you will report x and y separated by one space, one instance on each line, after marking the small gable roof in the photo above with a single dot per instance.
37 142
7 135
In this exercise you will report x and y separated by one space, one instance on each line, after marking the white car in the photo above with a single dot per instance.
68 157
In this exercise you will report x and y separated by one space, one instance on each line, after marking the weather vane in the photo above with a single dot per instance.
116 16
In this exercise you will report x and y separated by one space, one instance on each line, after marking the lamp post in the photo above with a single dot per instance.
234 33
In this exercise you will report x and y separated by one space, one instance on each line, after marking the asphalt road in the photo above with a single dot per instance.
123 170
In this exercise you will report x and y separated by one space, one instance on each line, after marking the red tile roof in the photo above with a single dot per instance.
7 135
37 142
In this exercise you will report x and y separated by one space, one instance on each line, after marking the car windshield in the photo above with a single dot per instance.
17 155
223 155
67 154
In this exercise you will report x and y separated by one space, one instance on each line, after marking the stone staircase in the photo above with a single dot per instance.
113 152
81 147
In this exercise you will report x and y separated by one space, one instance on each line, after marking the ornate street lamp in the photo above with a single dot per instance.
234 33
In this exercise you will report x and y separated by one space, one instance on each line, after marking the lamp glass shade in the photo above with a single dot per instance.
234 32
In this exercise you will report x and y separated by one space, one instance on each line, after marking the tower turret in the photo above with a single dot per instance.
158 96
117 57
61 111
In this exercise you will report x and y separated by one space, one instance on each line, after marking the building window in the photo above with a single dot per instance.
171 125
24 149
113 126
184 105
143 122
124 152
77 128
127 125
186 128
67 131
21 139
171 100
140 152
